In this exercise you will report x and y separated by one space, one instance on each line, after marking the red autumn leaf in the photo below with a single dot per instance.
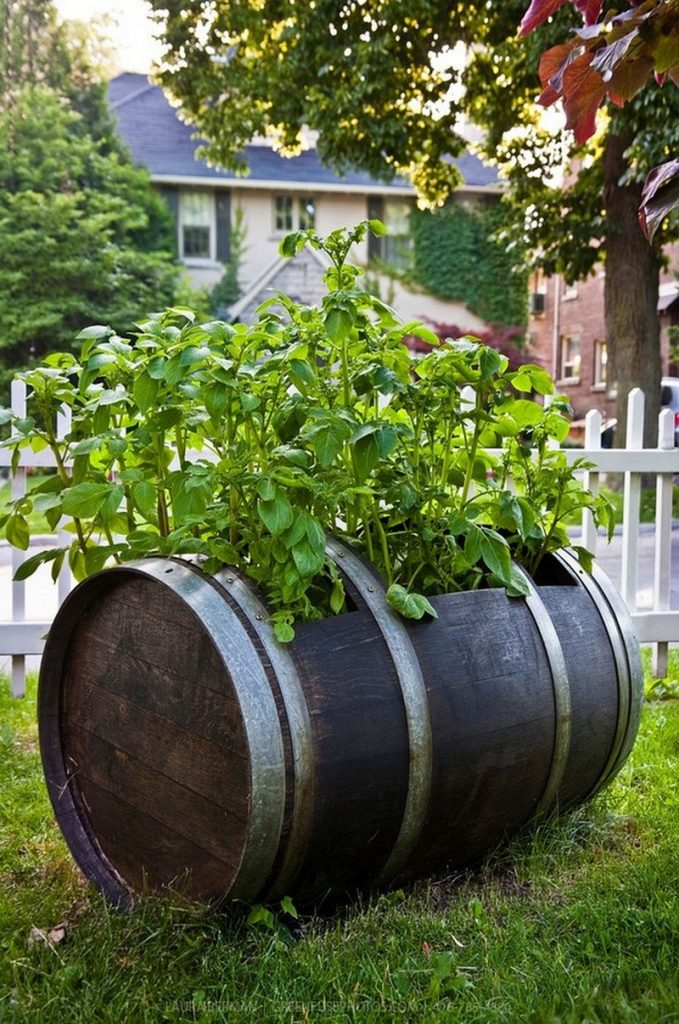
586 126
552 62
629 77
583 92
660 195
589 9
538 12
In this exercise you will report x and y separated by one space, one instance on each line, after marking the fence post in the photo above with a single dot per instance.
18 609
631 501
663 540
590 479
63 538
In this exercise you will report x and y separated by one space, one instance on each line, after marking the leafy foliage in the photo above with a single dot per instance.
457 256
83 233
613 59
248 445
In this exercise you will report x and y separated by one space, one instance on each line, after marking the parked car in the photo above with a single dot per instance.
669 399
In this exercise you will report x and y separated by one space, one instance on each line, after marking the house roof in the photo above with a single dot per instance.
159 140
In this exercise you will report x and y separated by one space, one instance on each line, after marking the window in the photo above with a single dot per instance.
396 246
196 219
600 362
570 357
292 213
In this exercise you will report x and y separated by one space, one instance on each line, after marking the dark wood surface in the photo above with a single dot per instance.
492 713
360 743
140 717
153 737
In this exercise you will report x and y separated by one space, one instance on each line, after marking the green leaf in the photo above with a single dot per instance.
276 513
28 567
491 362
194 354
307 559
145 498
95 331
249 402
518 585
337 324
289 908
411 606
44 502
283 632
145 391
292 243
327 443
366 455
84 500
337 596
302 374
17 532
585 557
495 554
156 367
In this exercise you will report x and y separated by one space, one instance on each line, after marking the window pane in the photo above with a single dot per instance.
283 213
600 361
196 242
307 214
397 243
196 208
570 356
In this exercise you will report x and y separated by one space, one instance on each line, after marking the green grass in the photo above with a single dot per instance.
575 922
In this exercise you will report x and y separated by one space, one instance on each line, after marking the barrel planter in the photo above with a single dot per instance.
183 746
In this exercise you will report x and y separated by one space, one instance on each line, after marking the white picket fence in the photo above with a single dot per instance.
20 636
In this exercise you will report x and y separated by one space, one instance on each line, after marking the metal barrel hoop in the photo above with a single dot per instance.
415 701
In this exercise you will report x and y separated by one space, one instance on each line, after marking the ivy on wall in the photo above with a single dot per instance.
456 258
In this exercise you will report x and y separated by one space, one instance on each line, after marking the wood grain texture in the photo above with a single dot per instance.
142 733
150 720
492 713
360 744
594 687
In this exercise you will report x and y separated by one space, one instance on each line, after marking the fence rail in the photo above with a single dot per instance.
659 626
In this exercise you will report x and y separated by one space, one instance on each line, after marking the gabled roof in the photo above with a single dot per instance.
157 138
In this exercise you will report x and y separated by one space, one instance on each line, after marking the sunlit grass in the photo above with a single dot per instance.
575 921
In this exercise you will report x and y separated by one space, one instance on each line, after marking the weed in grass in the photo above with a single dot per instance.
574 921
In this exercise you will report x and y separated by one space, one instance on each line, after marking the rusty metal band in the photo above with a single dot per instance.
562 697
299 723
260 716
617 622
416 705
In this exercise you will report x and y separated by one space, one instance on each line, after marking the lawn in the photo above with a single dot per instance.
575 922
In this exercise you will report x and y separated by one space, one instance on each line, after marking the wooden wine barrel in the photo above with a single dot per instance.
183 746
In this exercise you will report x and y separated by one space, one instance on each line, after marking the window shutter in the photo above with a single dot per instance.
223 212
170 193
375 212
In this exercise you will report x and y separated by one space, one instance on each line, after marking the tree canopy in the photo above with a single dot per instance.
84 237
380 82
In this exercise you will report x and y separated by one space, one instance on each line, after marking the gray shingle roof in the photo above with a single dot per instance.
158 139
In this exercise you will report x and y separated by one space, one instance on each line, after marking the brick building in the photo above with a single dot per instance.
568 335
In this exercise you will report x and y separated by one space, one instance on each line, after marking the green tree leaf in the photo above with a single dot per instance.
411 606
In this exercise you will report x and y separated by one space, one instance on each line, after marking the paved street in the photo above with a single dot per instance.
41 593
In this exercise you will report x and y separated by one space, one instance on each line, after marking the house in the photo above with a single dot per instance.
277 196
567 333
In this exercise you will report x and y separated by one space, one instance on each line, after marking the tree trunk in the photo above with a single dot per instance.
630 296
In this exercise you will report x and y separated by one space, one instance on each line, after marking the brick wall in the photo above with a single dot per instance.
579 311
